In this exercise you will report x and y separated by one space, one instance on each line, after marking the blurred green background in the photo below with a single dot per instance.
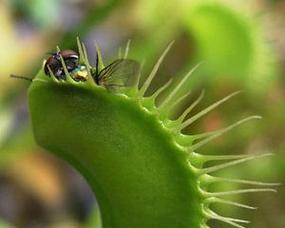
242 46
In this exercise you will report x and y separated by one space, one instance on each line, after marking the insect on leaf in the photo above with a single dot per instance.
120 73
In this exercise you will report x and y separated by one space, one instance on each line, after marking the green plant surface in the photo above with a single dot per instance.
223 39
232 44
143 170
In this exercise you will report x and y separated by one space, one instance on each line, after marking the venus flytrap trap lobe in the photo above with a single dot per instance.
144 171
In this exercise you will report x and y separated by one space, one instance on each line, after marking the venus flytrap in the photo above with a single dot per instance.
144 171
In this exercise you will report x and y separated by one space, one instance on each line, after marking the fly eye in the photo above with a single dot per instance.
70 58
68 54
71 63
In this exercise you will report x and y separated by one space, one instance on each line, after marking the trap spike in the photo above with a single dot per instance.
168 99
161 89
212 135
136 83
211 215
100 59
229 202
154 71
180 99
207 158
68 76
231 219
206 110
204 135
80 50
190 108
86 61
228 222
52 75
237 192
127 49
232 163
241 181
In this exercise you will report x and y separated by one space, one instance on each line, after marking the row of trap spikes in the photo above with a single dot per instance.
204 138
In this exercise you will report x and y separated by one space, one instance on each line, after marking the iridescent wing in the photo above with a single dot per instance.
120 73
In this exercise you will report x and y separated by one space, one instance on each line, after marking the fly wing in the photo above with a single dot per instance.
120 73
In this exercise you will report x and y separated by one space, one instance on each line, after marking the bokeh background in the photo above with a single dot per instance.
242 44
